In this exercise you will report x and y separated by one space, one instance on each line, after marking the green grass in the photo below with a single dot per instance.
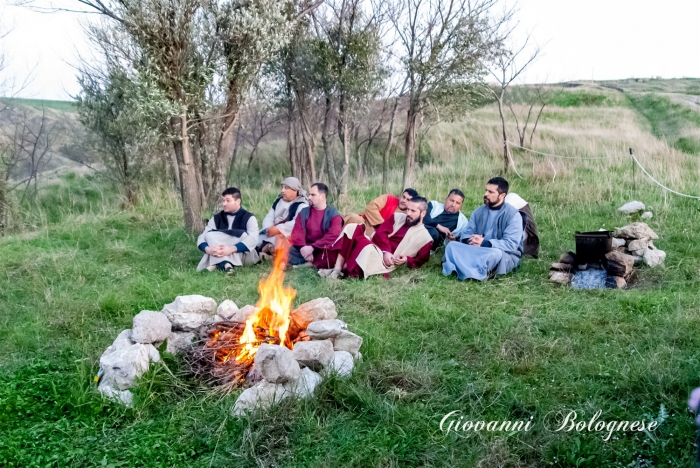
81 266
511 348
669 120
63 106
580 99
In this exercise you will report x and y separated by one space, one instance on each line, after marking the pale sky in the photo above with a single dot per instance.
581 40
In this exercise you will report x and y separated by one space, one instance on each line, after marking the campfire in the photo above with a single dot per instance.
229 352
606 259
274 351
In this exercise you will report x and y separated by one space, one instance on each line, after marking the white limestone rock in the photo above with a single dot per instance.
654 257
188 313
226 309
631 207
123 340
276 363
324 329
261 395
179 342
120 368
347 341
636 231
647 215
313 311
618 243
638 247
241 315
150 327
305 385
125 397
313 354
341 364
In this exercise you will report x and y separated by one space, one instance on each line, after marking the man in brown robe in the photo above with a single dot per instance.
316 228
379 209
400 240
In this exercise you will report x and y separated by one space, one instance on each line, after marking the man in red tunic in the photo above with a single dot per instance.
400 240
315 229
378 210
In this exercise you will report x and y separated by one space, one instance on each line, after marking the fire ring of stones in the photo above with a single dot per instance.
631 245
276 357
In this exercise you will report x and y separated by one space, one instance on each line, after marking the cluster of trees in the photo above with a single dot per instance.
186 83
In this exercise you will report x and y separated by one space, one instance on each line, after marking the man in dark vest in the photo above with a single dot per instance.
315 230
230 237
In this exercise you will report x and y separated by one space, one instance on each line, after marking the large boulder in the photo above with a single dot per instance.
324 329
313 354
120 368
313 311
347 341
150 327
305 385
654 256
261 395
226 309
341 364
188 313
636 231
276 363
179 342
631 207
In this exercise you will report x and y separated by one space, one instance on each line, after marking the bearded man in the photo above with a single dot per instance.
378 210
445 220
230 237
278 223
400 240
492 242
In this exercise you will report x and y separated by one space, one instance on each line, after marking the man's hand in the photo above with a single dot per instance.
445 231
388 259
214 250
476 240
400 260
307 252
273 231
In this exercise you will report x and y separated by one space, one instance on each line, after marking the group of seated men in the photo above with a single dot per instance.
392 231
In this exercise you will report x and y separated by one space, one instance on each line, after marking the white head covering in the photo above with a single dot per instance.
515 200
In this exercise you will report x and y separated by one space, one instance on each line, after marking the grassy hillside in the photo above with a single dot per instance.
511 348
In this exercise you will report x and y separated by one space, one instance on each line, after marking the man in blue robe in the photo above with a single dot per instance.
492 242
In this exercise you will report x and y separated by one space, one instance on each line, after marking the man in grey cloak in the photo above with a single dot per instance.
230 237
492 242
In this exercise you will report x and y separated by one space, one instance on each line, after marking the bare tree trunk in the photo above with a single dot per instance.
330 162
3 203
410 146
389 144
505 138
345 140
225 146
290 146
191 206
537 120
307 138
235 152
176 172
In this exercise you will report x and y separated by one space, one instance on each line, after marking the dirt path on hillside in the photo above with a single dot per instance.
689 100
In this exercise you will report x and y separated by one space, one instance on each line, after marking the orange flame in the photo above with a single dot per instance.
274 308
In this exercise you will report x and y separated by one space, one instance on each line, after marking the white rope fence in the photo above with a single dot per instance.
603 157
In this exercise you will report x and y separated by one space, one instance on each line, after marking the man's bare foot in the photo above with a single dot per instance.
325 272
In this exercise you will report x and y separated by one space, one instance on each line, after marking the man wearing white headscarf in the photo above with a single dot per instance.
278 223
